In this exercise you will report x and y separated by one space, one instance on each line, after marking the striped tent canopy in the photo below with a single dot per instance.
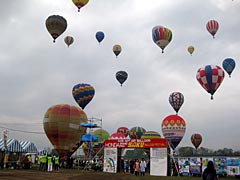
28 147
12 145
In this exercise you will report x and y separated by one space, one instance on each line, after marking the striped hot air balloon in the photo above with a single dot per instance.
212 27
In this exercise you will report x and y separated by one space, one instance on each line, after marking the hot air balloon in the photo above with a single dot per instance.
229 65
101 134
212 27
210 77
56 25
117 49
83 94
150 135
121 76
68 40
196 140
161 36
123 130
173 129
99 36
176 100
80 3
117 135
190 49
62 125
136 132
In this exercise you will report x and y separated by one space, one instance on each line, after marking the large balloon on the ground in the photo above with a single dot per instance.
83 94
123 130
210 78
99 36
228 65
62 125
196 140
56 25
121 76
176 100
117 49
68 40
150 135
161 36
173 129
136 132
212 27
80 3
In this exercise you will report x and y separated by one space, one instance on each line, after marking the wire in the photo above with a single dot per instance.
17 130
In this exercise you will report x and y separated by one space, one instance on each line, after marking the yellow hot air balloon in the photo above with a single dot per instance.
117 49
190 49
80 3
62 125
68 40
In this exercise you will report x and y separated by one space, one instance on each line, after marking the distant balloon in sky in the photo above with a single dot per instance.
228 65
190 49
83 94
121 76
210 77
62 125
212 27
176 100
173 129
99 36
161 36
68 40
56 25
117 49
80 3
196 140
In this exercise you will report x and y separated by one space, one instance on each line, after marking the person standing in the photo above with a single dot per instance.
56 163
136 167
143 167
210 172
49 162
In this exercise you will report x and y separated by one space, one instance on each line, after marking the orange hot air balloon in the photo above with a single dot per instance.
62 125
80 3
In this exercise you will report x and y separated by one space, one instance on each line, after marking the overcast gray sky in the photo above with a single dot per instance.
36 73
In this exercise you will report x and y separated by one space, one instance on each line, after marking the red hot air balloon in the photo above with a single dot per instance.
117 136
212 27
210 77
123 130
173 129
196 140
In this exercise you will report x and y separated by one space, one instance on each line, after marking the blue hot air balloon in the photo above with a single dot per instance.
100 36
83 94
228 65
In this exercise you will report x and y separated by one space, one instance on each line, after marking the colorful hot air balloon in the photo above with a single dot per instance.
176 100
117 135
99 36
117 49
228 65
121 76
80 3
210 77
68 40
212 27
56 25
136 132
161 36
151 135
83 94
101 134
196 140
62 125
190 49
123 130
173 129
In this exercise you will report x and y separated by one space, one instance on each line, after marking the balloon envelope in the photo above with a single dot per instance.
123 130
161 36
56 25
83 94
150 135
117 136
68 40
136 132
228 65
212 27
190 49
176 100
210 78
117 49
100 36
62 125
196 140
80 3
121 76
173 129
101 134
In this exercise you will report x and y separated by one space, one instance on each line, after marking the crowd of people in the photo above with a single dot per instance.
136 167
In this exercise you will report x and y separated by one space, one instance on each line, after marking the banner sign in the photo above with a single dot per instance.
135 143
158 161
110 160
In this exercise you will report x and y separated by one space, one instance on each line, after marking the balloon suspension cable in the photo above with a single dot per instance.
230 76
54 41
78 9
121 85
172 156
213 37
162 51
211 97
